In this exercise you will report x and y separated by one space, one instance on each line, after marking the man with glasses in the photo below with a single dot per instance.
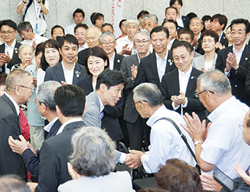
8 50
19 88
178 86
108 43
135 126
165 141
220 143
234 60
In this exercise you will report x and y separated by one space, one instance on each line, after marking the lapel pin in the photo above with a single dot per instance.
246 58
118 61
16 50
77 73
192 77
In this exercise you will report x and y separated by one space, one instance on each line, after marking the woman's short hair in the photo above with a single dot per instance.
178 176
51 43
24 46
210 33
97 52
93 152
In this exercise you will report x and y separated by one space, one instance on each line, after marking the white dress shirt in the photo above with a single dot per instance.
161 65
111 62
9 50
70 29
238 53
179 22
14 103
49 126
68 74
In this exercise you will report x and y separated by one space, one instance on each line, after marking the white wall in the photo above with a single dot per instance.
61 10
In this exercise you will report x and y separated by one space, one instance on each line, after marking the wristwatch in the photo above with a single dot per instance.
197 142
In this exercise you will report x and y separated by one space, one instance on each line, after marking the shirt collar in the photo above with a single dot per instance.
14 103
48 127
155 116
68 122
170 44
12 46
241 50
64 68
101 104
187 73
158 57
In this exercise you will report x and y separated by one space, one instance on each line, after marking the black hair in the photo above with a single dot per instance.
39 49
78 10
159 29
97 52
70 99
142 13
3 77
108 24
182 44
68 38
186 31
25 25
120 24
241 21
170 21
57 26
173 1
191 15
8 22
81 25
210 33
171 8
221 18
110 78
94 16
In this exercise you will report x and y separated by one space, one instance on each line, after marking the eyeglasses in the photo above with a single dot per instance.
31 88
197 94
36 101
7 32
142 41
107 43
133 103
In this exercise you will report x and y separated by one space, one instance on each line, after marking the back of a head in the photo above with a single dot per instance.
110 78
178 176
46 92
13 183
14 78
71 100
215 81
93 152
148 92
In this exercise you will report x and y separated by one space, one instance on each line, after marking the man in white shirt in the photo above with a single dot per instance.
78 17
8 50
26 31
166 142
125 45
220 143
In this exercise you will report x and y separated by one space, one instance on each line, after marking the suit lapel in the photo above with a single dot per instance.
176 83
117 63
15 52
77 73
59 72
170 62
191 83
245 58
154 68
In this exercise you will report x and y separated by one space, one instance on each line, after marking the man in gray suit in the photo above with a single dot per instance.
129 69
108 91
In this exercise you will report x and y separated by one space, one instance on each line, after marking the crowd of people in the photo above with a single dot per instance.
175 92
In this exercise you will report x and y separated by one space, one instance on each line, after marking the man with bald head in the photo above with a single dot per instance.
19 88
92 39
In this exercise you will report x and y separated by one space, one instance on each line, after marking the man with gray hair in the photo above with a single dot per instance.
222 145
108 43
134 122
47 108
166 142
125 44
149 22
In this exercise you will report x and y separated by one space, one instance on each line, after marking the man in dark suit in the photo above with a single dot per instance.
19 88
8 50
218 24
178 86
129 69
155 65
172 27
47 108
234 60
53 171
108 43
68 71
92 39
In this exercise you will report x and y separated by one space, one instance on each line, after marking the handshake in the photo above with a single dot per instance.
133 159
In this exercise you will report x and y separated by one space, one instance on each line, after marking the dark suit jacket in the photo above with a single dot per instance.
130 113
10 162
30 159
237 77
117 61
15 59
147 70
170 86
81 56
185 21
224 40
54 155
110 119
56 73
199 48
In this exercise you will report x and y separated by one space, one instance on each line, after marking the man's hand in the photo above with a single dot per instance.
195 128
133 72
178 100
232 60
72 172
242 173
135 159
218 45
18 146
4 58
32 186
209 184
126 50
